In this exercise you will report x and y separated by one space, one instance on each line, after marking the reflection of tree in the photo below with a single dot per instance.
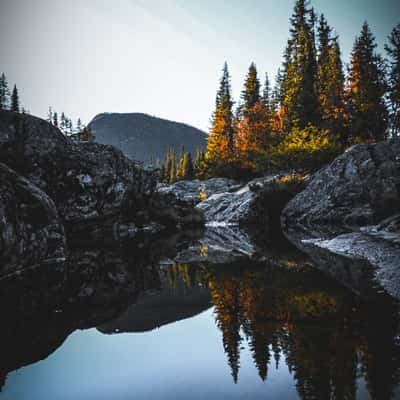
226 298
323 331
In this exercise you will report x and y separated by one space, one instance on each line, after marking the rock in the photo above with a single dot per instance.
359 261
258 203
219 244
190 191
360 187
85 180
30 229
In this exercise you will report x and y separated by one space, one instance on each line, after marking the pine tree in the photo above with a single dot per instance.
15 100
199 164
393 51
55 119
366 88
4 93
79 125
63 122
221 140
187 167
299 85
330 80
50 116
251 91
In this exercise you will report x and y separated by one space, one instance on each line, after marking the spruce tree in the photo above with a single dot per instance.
55 119
299 85
4 93
330 80
220 143
187 167
365 103
15 100
393 51
251 91
50 116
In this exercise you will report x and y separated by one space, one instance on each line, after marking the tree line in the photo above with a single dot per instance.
78 132
9 100
315 109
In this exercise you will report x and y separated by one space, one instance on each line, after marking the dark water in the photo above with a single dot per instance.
129 323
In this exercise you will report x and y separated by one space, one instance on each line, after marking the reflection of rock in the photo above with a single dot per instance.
358 260
41 306
30 229
360 187
220 244
174 301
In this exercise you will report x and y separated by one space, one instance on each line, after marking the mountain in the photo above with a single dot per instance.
145 138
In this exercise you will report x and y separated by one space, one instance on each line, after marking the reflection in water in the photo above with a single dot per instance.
282 309
328 337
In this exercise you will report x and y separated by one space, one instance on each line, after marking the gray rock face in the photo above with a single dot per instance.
30 229
86 180
358 260
189 191
360 187
257 203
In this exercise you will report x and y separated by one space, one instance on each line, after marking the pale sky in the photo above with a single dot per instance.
160 57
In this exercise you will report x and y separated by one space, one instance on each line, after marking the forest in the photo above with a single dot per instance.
316 109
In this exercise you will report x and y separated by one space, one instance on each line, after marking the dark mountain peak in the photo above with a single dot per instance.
144 137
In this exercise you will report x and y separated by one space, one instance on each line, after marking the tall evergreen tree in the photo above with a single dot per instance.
55 119
187 167
50 115
251 90
299 85
331 80
393 51
4 93
221 140
365 103
15 100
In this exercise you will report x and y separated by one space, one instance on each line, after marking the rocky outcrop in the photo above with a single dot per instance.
193 192
360 187
257 203
31 231
84 180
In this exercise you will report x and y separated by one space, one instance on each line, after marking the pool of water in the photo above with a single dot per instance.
245 329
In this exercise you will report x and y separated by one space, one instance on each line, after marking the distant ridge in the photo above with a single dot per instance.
146 138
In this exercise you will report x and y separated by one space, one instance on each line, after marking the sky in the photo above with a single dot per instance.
160 57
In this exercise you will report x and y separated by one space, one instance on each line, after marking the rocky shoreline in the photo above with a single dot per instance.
55 192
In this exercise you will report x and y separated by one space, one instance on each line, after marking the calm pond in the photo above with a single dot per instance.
116 325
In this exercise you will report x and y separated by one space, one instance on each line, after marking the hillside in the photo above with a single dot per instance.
143 137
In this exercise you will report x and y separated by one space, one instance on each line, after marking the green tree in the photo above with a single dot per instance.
393 51
221 140
299 81
330 81
365 103
251 90
4 93
15 100
55 119
187 167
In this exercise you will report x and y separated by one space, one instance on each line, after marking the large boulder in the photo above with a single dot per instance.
257 204
85 180
31 231
191 192
360 187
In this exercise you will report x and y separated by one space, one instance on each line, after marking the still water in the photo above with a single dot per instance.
275 328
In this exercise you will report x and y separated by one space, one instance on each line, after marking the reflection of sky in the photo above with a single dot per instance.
184 360
162 57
